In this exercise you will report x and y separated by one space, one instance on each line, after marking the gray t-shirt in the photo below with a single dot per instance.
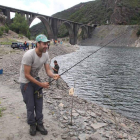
30 58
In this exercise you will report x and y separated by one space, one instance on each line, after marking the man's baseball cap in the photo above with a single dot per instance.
42 38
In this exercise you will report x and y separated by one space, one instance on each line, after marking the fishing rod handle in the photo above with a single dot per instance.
49 83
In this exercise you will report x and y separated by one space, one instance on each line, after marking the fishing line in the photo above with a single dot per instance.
90 55
84 58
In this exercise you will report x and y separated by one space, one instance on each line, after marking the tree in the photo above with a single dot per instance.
20 25
28 34
45 32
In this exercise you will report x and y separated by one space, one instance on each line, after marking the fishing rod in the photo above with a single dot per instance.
84 58
90 55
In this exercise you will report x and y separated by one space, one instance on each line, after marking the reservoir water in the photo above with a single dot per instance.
110 77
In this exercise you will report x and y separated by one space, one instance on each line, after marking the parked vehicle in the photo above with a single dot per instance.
18 45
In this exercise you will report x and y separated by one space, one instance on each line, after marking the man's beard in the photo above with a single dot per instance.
43 50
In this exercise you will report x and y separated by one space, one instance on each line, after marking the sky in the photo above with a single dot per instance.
45 7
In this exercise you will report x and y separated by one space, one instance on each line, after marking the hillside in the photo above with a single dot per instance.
68 12
101 12
37 29
106 33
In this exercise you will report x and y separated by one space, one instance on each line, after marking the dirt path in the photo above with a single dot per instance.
13 122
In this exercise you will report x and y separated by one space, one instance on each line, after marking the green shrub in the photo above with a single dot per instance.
6 29
2 29
0 112
138 33
62 31
28 34
20 35
1 32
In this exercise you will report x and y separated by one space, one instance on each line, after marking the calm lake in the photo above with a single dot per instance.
110 77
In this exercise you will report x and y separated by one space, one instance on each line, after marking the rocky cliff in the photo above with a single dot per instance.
125 12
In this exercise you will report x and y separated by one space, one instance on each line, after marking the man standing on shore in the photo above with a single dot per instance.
32 62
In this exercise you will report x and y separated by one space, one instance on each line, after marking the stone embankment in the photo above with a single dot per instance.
89 120
104 34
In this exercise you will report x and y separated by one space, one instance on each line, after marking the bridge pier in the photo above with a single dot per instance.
75 31
22 14
90 30
27 17
54 28
6 12
72 41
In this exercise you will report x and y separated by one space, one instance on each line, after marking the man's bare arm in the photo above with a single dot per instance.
54 69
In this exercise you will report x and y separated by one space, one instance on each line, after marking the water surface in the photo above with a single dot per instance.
110 77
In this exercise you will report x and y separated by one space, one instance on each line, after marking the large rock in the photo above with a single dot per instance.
98 125
95 136
83 136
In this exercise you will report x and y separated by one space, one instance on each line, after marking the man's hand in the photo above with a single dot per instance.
56 76
45 85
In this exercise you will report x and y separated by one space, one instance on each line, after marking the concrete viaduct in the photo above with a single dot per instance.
52 24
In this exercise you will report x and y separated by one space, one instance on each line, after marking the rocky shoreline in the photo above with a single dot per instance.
89 120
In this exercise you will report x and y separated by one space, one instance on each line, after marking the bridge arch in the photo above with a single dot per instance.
51 23
46 24
84 31
70 30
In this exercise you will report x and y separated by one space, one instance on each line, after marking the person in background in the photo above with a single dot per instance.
25 45
28 46
32 45
56 42
48 45
56 69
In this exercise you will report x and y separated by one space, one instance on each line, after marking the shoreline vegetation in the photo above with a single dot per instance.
90 121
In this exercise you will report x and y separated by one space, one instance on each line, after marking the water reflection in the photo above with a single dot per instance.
110 77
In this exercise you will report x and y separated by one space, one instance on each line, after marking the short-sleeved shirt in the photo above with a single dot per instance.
30 58
57 68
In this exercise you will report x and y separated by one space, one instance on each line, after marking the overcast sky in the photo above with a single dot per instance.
45 7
